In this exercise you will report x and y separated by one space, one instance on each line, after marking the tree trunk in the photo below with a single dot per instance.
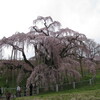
81 67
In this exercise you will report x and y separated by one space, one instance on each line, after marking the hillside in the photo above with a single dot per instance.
83 93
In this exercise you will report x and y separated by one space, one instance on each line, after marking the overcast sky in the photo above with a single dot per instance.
80 15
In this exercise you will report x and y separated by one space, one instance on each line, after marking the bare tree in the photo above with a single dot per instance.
94 49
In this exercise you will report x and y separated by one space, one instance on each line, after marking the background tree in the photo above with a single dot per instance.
94 49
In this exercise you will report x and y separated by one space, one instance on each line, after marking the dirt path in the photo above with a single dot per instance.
4 98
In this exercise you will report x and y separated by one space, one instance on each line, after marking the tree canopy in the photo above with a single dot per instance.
61 54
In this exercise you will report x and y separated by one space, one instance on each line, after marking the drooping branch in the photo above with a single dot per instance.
15 47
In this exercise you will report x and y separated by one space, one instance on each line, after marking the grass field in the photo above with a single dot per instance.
82 95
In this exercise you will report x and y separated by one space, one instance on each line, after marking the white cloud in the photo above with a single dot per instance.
80 15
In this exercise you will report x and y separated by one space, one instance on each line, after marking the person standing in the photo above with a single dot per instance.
18 91
8 95
31 89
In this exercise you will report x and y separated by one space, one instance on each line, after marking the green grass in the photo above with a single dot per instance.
83 95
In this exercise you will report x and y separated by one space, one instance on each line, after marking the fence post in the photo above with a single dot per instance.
27 92
2 90
37 90
93 80
74 85
90 81
57 89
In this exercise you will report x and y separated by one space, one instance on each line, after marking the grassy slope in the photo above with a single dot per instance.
83 93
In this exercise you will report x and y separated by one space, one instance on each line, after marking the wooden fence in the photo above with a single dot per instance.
52 88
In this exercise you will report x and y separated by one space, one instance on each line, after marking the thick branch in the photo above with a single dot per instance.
39 31
25 59
67 48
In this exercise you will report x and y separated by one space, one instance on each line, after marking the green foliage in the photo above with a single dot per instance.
9 79
2 81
